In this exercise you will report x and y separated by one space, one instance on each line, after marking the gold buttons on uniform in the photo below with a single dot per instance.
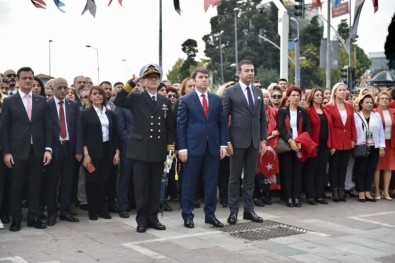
150 136
158 137
152 130
158 118
152 123
152 117
159 131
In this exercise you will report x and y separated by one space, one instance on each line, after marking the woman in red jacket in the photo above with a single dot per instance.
315 167
387 162
342 118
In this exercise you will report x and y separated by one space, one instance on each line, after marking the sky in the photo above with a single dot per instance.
128 32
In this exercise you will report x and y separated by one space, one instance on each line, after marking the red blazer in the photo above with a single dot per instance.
344 134
392 104
271 114
392 114
316 125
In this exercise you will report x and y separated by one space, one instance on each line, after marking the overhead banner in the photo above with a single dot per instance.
339 10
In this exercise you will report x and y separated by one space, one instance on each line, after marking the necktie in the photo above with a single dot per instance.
62 121
205 105
250 101
28 106
153 100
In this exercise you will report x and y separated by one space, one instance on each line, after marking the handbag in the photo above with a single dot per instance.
282 146
361 150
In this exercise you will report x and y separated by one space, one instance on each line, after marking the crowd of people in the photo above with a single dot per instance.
114 148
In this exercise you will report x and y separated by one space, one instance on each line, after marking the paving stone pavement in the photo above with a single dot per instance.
338 232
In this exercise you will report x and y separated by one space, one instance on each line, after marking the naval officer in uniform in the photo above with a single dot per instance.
152 132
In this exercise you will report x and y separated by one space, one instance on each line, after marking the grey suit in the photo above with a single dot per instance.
246 130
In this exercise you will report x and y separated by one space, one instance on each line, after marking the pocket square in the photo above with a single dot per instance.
259 98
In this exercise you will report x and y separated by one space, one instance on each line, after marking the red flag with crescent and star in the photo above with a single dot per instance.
267 165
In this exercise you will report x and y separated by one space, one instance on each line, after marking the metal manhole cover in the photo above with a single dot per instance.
258 231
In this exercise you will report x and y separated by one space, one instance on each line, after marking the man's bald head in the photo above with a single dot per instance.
60 87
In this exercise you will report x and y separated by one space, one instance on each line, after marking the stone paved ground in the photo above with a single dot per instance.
338 232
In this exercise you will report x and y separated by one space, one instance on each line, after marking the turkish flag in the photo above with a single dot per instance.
316 3
267 166
207 4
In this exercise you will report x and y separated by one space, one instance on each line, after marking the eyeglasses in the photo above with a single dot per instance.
152 77
384 98
11 75
259 87
276 96
172 96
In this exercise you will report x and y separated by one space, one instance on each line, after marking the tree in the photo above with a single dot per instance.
174 74
343 30
389 46
189 47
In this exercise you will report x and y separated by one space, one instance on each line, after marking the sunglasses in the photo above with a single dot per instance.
11 75
172 96
85 97
259 87
276 96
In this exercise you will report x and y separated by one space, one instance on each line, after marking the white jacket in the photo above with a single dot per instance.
375 125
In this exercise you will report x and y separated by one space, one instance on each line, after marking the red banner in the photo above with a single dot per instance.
340 10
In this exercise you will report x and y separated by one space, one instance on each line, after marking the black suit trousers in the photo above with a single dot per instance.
62 167
147 178
338 168
291 169
26 171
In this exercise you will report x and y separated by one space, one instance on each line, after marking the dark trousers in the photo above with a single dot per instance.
314 172
223 178
4 190
112 186
61 166
147 178
97 182
205 166
291 170
242 158
364 169
338 168
25 171
125 183
74 184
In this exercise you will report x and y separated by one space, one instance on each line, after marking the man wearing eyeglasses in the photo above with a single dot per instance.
151 135
11 75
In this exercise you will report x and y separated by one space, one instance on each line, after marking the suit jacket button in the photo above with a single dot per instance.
152 117
158 130
152 123
150 136
158 137
152 130
159 124
158 118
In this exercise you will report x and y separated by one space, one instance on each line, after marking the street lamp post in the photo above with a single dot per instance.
49 56
219 35
297 54
126 67
97 60
236 11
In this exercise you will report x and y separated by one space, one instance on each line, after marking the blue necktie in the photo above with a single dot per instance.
250 101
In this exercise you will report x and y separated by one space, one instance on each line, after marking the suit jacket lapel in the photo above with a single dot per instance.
52 104
68 113
148 99
198 104
20 105
240 93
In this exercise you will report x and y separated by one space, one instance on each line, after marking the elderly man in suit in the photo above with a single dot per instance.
26 141
243 107
201 137
67 147
152 132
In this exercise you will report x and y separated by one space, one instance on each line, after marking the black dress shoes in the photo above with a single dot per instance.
124 214
253 217
223 202
157 226
36 224
166 207
69 218
15 225
267 200
5 219
189 223
105 215
141 228
370 199
321 201
51 220
93 217
259 202
311 202
84 207
215 222
297 202
290 203
232 219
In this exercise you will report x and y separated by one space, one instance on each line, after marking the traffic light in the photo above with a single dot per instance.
299 8
345 74
352 77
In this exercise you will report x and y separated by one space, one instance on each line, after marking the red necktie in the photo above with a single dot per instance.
62 121
205 105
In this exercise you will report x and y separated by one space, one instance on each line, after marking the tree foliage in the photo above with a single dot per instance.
389 46
189 47
174 74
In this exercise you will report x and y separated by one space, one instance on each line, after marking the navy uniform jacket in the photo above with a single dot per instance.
152 127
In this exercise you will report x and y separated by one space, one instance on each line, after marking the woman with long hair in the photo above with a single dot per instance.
315 167
292 120
342 117
387 162
370 131
101 151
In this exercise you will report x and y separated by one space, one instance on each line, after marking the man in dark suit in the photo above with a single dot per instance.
26 141
243 107
67 145
152 132
201 138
